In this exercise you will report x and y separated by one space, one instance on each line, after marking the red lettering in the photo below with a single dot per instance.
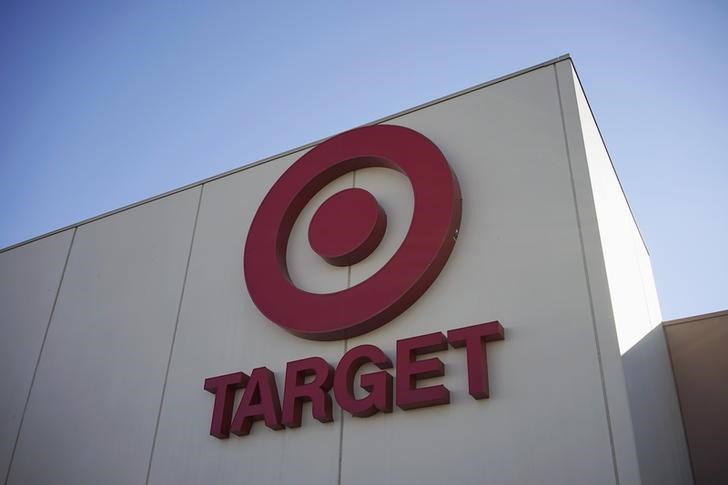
379 384
473 338
297 391
410 370
312 379
260 401
223 387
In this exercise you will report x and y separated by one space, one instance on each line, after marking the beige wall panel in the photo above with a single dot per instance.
621 246
29 279
93 408
626 310
221 331
659 433
518 260
698 351
615 396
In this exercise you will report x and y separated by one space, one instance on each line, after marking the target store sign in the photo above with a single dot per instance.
345 229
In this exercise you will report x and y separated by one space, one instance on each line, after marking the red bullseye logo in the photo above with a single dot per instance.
347 227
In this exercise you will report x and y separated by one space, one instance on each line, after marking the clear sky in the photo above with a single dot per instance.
105 103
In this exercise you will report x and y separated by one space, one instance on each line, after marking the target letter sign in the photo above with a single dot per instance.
360 308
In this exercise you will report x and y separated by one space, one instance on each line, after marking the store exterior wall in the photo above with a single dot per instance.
618 252
698 351
152 302
94 403
29 279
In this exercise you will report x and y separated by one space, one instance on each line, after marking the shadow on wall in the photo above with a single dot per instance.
655 411
698 350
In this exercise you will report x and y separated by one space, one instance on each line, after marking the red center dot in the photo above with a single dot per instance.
347 227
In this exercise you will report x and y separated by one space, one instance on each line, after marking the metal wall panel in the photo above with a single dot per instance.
92 412
518 260
29 280
698 353
221 331
621 437
627 310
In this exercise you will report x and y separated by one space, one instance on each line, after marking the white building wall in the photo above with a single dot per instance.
658 429
153 299
518 260
601 305
221 331
93 408
29 279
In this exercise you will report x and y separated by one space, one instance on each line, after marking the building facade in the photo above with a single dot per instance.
112 329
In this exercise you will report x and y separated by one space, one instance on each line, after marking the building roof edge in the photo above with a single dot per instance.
288 152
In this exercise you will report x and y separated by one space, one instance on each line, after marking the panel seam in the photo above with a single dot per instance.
40 354
341 432
174 336
588 281
346 344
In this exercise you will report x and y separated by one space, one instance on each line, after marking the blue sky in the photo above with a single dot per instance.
106 103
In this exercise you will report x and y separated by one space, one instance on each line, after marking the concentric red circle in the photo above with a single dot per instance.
347 227
402 280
